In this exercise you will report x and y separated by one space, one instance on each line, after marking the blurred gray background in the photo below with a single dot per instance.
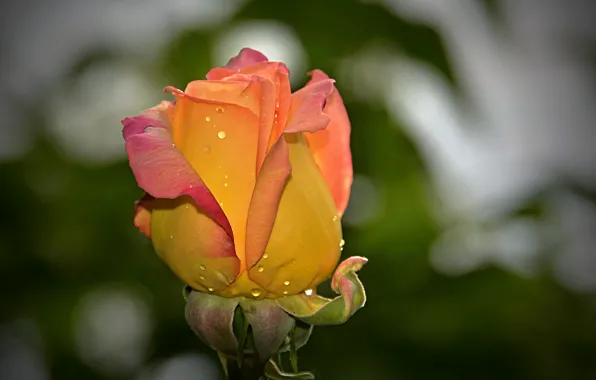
473 133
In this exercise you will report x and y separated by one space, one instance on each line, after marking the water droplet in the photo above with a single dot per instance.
207 119
220 204
201 277
173 145
203 267
260 269
190 186
308 292
210 289
286 283
225 176
187 207
285 292
226 184
255 292
206 149
276 104
335 218
221 134
171 236
219 109
266 255
342 242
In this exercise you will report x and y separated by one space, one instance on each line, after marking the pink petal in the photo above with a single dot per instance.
306 111
246 57
331 146
163 172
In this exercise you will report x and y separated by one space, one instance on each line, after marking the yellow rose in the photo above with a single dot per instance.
245 181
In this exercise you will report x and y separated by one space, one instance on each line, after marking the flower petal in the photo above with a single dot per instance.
195 248
162 171
304 245
265 200
278 74
217 127
246 57
331 146
273 120
142 218
183 207
306 112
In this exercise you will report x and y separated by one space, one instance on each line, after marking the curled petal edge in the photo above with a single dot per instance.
320 311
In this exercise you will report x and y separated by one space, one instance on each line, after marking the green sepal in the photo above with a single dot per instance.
270 325
273 372
317 310
211 318
246 332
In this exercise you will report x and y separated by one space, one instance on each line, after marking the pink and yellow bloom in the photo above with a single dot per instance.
245 181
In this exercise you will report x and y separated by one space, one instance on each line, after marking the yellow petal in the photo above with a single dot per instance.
304 246
220 142
190 243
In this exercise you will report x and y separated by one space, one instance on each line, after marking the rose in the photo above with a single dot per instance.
245 181
245 187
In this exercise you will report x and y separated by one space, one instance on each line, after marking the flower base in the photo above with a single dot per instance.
250 335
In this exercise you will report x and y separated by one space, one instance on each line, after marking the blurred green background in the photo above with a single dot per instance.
473 199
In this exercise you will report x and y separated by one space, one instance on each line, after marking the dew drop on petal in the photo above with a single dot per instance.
210 289
220 109
308 292
285 292
255 292
202 277
221 134
266 255
335 218
260 269
286 283
342 242
208 119
206 149
226 184
203 267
